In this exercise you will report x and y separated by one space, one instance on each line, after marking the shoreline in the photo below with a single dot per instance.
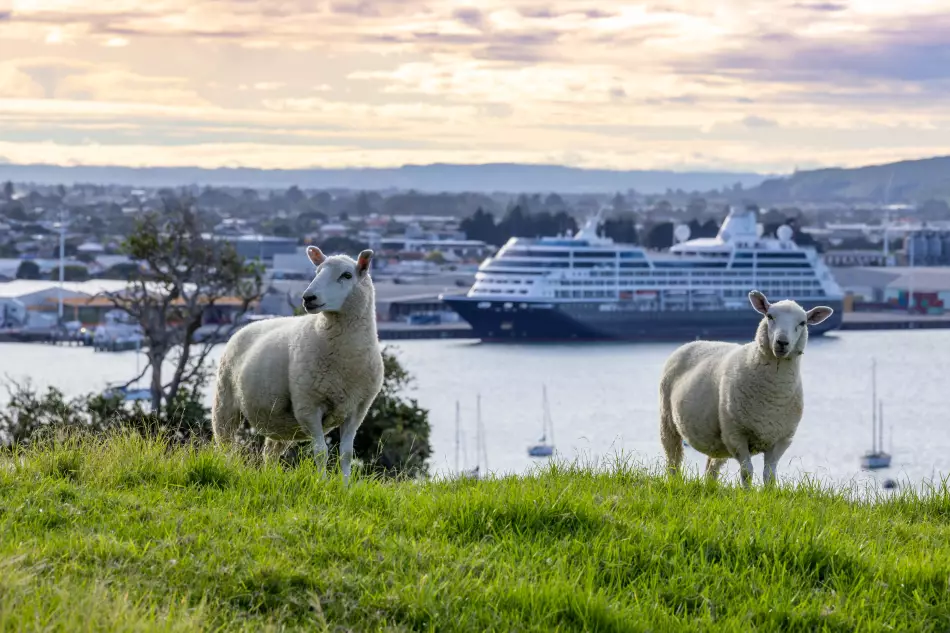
388 331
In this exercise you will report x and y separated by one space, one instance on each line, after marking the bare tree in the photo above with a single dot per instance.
186 274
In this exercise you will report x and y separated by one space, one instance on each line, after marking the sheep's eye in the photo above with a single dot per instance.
802 324
346 275
769 317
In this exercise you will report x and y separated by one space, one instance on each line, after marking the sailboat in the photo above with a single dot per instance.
876 457
129 393
543 448
481 451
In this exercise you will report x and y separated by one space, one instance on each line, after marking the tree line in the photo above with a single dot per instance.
622 227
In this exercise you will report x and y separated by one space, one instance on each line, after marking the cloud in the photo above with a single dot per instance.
469 16
821 6
676 80
753 121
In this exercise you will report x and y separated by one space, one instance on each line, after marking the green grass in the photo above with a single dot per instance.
124 534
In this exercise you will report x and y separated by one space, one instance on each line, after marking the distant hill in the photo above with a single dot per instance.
496 177
904 181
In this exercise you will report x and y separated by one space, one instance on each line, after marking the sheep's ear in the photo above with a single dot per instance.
759 302
362 262
818 314
316 255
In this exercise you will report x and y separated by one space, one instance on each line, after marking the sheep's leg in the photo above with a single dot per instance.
670 437
738 446
347 435
713 467
772 457
314 423
741 453
225 415
273 449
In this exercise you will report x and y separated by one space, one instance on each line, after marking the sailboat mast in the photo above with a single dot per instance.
880 422
548 423
874 405
458 433
481 431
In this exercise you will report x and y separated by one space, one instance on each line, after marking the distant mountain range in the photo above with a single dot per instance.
495 177
904 181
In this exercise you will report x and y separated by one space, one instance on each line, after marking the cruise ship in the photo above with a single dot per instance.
588 287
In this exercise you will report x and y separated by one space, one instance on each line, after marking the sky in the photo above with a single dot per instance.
748 85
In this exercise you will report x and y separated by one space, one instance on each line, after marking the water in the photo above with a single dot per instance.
603 399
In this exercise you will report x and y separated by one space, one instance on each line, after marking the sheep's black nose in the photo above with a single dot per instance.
309 298
781 344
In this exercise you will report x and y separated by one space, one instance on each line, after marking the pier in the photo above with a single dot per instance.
389 331
893 321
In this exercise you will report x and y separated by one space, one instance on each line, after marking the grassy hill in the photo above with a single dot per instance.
125 534
905 181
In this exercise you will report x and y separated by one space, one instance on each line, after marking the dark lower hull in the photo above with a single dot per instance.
513 321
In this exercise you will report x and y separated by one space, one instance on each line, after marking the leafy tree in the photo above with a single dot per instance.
659 236
481 226
28 270
75 273
294 195
323 200
30 415
436 257
283 229
8 190
15 211
126 271
696 207
186 276
363 206
308 221
554 202
619 203
622 229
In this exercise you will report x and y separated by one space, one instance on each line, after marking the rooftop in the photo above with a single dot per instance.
23 287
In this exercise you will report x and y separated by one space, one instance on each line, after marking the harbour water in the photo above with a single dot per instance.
603 399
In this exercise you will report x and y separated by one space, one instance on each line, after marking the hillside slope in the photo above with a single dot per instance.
905 181
127 535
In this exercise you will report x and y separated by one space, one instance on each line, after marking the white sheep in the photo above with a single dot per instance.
730 400
299 377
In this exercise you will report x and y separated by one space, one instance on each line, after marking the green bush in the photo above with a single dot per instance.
392 441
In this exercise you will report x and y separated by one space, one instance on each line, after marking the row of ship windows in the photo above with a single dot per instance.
506 263
809 283
784 288
520 252
667 278
794 291
738 294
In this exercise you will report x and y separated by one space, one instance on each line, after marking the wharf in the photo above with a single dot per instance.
893 321
390 331
403 331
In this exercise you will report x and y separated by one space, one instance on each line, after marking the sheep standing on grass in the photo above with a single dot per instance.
731 400
299 377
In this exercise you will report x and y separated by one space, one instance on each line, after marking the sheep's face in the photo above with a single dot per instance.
335 279
786 324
